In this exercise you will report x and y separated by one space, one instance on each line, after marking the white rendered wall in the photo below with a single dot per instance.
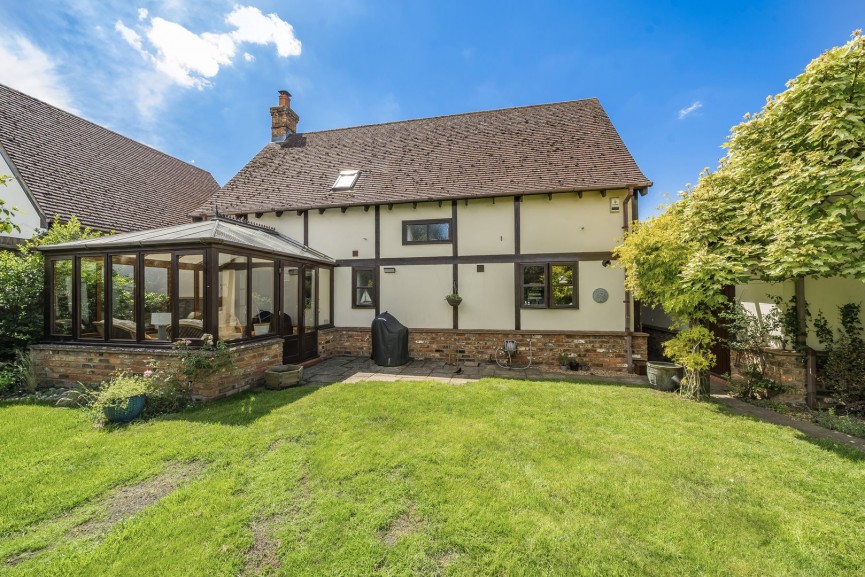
486 227
488 297
391 229
416 295
27 217
569 223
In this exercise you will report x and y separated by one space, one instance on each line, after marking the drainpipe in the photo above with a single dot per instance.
629 344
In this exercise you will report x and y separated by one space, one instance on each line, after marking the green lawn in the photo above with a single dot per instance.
492 478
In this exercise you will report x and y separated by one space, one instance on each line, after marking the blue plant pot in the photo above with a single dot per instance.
125 410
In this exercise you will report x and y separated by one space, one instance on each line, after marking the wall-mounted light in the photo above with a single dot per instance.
606 263
389 269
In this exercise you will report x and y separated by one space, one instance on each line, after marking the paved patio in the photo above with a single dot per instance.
356 369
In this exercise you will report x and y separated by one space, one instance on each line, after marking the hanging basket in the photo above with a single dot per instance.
454 300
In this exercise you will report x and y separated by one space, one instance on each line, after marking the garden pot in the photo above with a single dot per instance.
125 410
665 376
261 328
282 376
454 301
564 367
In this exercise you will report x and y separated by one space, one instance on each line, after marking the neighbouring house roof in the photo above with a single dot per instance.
219 231
566 146
71 166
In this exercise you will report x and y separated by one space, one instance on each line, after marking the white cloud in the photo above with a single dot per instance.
192 60
685 112
25 67
142 13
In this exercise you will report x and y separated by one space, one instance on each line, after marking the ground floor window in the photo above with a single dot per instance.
363 281
549 285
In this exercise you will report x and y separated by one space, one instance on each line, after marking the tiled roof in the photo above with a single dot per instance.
74 167
218 230
545 148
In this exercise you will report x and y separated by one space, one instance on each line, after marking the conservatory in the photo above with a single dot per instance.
240 282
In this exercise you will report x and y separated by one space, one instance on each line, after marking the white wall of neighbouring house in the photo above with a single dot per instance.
26 217
827 295
821 294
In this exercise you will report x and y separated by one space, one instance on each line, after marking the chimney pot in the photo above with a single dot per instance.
284 98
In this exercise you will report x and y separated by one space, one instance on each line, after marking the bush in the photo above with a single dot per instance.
22 276
18 374
843 424
844 369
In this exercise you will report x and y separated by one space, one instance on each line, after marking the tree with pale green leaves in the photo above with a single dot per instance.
787 200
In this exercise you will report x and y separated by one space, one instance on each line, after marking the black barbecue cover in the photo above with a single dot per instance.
389 341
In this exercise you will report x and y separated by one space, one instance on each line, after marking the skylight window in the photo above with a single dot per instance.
345 180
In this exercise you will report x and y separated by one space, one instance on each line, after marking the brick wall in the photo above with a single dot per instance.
601 350
784 367
64 365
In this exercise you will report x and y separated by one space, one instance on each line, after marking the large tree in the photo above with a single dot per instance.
787 200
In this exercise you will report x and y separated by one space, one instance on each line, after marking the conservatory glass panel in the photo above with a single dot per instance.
190 294
61 299
123 325
158 283
233 318
262 296
91 298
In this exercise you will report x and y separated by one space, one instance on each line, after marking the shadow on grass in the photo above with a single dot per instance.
245 408
840 449
751 413
576 380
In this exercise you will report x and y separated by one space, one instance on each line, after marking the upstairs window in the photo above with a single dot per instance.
549 285
437 231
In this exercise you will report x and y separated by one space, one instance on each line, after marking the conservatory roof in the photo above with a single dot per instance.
220 231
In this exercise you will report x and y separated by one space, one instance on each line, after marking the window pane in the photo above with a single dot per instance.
416 232
534 274
290 288
92 297
563 295
364 292
233 316
190 287
562 274
439 231
363 297
534 296
157 296
309 300
364 278
324 312
123 325
262 296
61 300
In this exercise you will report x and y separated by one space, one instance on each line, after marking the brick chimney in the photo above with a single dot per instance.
283 118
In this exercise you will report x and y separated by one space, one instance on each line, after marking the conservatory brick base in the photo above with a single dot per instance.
65 365
598 350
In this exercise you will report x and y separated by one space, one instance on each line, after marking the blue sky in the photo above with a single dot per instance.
196 79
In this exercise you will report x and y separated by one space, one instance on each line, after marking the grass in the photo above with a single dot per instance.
499 477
